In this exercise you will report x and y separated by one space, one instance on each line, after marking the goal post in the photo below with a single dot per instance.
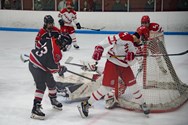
162 89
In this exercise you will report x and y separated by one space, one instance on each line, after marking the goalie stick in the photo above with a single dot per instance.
93 29
154 55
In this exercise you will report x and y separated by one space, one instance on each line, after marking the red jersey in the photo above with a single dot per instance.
155 27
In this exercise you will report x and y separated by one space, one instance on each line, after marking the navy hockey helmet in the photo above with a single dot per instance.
48 19
64 40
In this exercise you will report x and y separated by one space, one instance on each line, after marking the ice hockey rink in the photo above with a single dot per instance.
17 86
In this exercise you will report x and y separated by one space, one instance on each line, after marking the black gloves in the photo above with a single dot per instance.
62 70
78 26
61 22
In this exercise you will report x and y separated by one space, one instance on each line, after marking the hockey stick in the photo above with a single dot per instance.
68 61
26 60
154 55
93 29
80 75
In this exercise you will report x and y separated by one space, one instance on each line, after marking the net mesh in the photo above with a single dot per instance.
162 90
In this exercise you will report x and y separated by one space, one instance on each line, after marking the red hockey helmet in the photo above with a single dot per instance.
69 4
145 19
143 31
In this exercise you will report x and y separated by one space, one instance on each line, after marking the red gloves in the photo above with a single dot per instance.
98 53
129 56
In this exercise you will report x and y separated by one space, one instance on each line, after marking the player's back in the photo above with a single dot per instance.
155 27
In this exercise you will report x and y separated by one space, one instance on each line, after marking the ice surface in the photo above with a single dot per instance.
17 86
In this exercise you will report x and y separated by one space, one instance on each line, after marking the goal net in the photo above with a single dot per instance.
162 90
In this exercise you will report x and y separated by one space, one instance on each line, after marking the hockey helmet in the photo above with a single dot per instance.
143 31
64 40
48 19
145 19
69 4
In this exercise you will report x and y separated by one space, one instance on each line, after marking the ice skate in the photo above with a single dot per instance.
56 104
145 109
75 45
36 112
84 109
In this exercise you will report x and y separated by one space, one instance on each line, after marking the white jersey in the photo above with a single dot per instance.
121 44
69 17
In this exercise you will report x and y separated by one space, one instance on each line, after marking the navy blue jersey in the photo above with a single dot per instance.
44 34
47 57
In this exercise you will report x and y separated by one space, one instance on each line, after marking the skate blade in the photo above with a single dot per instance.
80 111
34 116
58 108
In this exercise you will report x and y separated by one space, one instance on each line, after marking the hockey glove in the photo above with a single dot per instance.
129 56
78 26
61 22
98 53
62 70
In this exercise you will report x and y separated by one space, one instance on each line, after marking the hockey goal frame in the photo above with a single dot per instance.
162 90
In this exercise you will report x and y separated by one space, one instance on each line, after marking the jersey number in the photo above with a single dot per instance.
42 51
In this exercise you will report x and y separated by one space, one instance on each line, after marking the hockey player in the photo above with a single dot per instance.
67 20
43 62
48 31
122 44
155 39
153 27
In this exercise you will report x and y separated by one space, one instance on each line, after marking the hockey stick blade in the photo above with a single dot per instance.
22 59
69 59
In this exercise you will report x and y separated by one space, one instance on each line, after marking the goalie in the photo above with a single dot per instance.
76 88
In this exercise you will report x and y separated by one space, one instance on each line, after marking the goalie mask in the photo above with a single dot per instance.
64 40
